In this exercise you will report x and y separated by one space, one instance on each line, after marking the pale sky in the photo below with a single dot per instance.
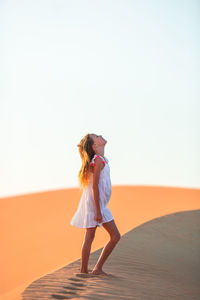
128 70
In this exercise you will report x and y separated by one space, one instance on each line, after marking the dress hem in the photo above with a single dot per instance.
98 225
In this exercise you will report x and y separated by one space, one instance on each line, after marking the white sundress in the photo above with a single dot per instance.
84 216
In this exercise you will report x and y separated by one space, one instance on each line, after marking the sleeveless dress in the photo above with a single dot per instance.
84 216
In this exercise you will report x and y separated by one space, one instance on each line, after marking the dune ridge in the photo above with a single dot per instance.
157 260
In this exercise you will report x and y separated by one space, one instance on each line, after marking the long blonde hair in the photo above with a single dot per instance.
86 152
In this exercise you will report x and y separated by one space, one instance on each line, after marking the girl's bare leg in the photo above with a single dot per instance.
86 247
114 238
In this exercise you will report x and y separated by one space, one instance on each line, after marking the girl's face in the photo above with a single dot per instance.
98 140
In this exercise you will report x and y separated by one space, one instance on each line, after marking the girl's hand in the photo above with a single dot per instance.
98 217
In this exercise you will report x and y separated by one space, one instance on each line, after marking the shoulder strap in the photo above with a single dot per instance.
95 156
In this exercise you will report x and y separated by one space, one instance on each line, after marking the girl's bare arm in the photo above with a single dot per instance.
96 175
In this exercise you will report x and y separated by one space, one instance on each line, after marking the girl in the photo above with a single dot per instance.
94 179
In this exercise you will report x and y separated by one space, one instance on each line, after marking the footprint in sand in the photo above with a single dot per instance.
65 294
75 279
77 285
72 288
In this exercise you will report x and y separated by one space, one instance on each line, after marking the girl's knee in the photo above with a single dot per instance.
90 237
116 237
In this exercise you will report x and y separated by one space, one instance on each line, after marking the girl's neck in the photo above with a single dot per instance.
100 152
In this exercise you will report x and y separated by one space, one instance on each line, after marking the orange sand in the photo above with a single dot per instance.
37 238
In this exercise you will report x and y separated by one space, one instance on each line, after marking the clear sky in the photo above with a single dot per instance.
128 70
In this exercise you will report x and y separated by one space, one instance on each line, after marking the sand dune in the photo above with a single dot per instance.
157 260
35 228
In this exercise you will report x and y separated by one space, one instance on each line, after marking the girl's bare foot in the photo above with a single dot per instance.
85 271
98 272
